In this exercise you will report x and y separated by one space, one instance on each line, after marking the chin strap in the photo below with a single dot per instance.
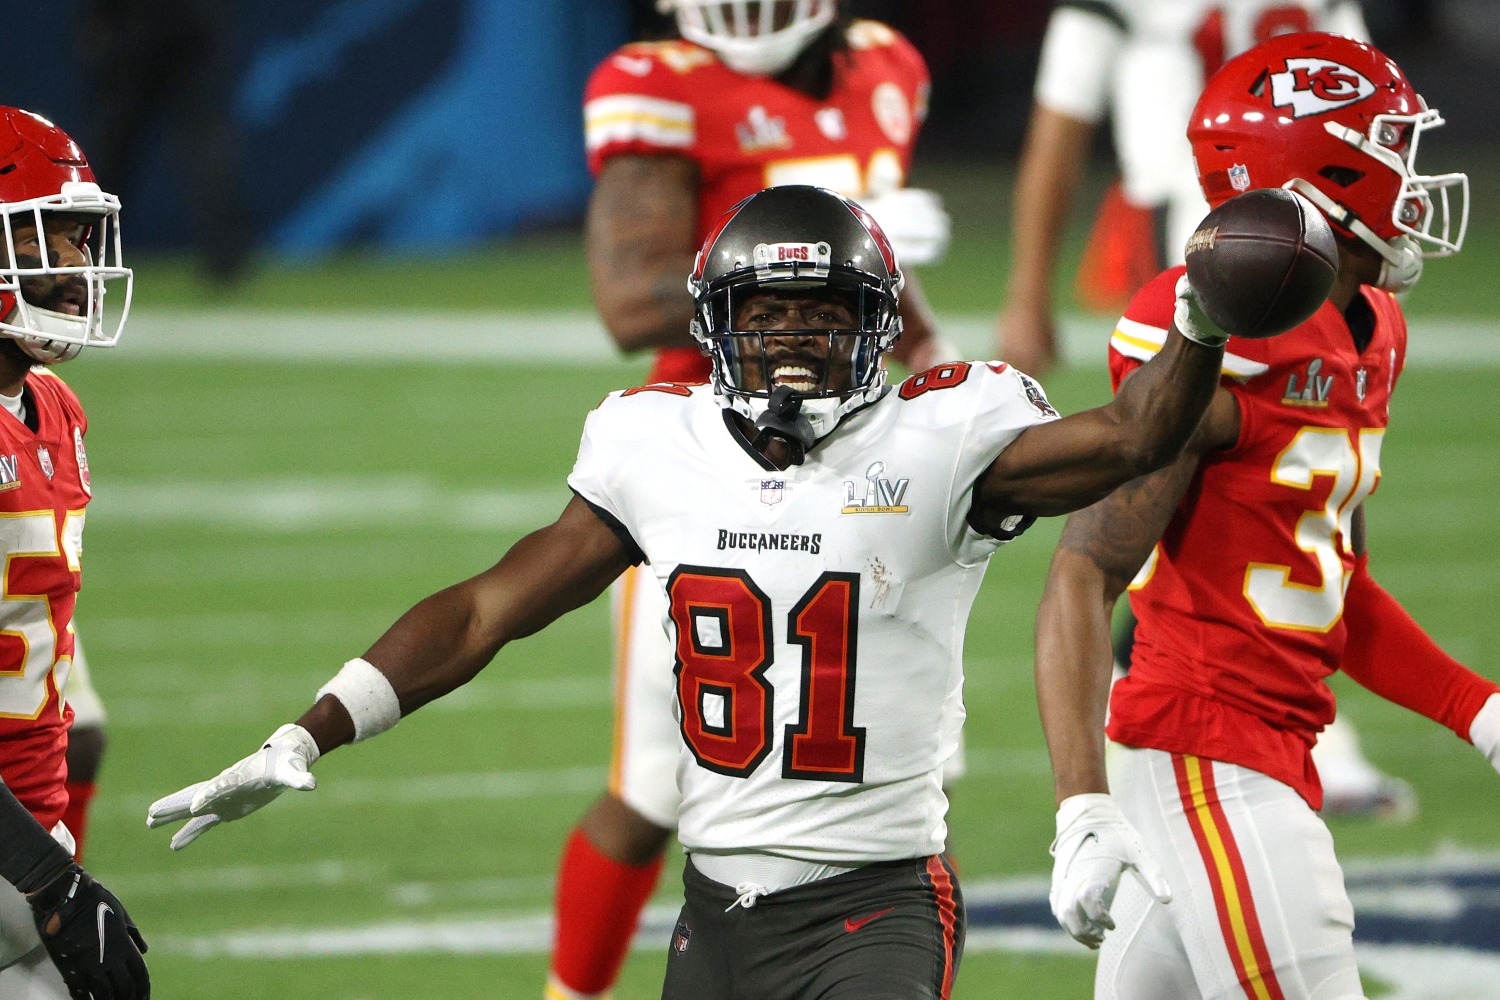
783 419
1401 268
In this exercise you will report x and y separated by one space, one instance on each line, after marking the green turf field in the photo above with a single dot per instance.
256 524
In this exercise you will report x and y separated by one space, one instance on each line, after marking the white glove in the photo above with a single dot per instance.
1095 844
915 223
1192 322
1484 731
238 791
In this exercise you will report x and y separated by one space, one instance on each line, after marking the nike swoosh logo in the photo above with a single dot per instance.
851 925
103 909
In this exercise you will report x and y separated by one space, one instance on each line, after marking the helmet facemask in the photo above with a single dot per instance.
756 37
30 284
828 373
1422 203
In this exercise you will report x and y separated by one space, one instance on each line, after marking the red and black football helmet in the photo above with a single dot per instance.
1336 121
796 237
43 174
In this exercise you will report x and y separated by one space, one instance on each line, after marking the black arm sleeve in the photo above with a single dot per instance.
29 857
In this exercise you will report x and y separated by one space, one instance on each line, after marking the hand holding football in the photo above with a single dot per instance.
1262 263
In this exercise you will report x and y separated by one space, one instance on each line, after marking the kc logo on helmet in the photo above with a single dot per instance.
1312 86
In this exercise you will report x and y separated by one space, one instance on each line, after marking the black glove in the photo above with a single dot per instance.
91 938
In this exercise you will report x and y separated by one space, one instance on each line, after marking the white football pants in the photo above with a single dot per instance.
26 970
1258 909
647 742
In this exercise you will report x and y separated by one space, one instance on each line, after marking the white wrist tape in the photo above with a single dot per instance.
1484 731
367 695
1192 322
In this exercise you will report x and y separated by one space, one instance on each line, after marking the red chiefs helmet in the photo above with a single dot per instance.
1336 121
43 174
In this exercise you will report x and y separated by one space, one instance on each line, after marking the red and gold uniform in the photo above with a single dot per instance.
1250 599
44 488
1241 604
747 133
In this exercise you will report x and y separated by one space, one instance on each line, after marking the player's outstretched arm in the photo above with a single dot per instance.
1067 464
84 927
434 648
1102 548
640 240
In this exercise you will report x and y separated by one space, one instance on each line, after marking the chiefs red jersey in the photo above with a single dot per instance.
1240 605
747 133
44 488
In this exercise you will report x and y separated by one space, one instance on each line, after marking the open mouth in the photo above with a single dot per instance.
796 377
66 295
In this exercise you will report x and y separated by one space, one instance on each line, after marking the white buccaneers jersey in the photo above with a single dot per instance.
817 613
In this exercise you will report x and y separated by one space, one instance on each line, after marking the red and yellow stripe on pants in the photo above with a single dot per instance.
1226 875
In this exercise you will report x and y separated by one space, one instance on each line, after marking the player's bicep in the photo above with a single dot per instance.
639 238
549 573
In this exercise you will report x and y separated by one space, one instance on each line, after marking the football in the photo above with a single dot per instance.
1262 262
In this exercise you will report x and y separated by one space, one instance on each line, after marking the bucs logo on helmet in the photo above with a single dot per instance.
1313 86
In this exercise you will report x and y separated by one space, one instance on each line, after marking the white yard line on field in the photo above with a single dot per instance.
576 337
323 504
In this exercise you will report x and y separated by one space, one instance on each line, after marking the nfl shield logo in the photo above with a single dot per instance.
680 938
1239 177
771 491
45 458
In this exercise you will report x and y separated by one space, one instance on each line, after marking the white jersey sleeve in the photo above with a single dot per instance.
1078 58
1004 403
612 433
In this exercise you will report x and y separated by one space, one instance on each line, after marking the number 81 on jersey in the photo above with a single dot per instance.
725 646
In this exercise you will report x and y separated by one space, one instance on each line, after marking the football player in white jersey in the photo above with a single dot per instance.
820 537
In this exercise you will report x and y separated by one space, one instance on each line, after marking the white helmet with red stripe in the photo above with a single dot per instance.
755 37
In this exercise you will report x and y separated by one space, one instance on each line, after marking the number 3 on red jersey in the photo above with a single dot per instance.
724 647
1322 532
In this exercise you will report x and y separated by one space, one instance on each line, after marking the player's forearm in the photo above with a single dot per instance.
430 651
1069 464
1390 654
1052 161
446 639
1159 407
29 857
1073 668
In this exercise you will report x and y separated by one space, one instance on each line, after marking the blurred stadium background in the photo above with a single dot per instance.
361 355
